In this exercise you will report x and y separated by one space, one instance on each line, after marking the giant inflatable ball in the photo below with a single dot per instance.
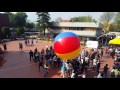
67 45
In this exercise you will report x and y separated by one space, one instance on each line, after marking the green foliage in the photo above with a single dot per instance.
43 21
105 18
30 25
18 19
112 27
117 22
12 20
40 29
83 19
20 31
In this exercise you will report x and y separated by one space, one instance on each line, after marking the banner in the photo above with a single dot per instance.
92 44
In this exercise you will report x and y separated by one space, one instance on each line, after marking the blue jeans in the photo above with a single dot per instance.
105 74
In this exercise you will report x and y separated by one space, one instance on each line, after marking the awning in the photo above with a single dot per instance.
115 41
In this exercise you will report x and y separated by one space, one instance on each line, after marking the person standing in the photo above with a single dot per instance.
101 53
63 70
5 47
36 55
113 53
47 46
28 42
36 40
45 65
92 56
98 66
41 56
40 64
94 64
83 53
105 71
32 44
31 55
21 46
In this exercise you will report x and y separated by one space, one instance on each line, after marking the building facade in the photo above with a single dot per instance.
82 29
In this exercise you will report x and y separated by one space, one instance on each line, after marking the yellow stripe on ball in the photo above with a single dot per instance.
70 55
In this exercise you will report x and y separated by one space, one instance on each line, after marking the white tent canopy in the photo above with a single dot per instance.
111 33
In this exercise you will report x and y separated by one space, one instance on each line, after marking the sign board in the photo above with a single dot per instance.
92 44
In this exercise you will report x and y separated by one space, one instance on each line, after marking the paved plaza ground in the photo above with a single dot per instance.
16 63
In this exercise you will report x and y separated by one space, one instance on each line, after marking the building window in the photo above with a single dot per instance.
82 28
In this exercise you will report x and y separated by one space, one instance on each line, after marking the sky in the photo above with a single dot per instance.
65 15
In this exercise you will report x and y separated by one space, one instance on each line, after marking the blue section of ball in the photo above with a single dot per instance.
64 35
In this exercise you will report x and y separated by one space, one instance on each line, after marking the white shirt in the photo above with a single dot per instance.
72 76
112 70
67 66
99 76
110 49
82 61
116 50
46 46
83 76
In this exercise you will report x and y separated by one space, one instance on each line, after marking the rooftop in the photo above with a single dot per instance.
78 24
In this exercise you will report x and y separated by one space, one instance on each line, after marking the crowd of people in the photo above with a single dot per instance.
103 40
114 52
77 67
27 42
46 59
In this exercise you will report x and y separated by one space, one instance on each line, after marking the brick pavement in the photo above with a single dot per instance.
16 63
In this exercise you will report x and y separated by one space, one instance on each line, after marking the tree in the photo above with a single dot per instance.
83 19
43 20
20 19
6 32
117 22
38 27
30 25
20 31
105 18
112 27
12 20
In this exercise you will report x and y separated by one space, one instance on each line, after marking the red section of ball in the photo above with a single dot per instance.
66 45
